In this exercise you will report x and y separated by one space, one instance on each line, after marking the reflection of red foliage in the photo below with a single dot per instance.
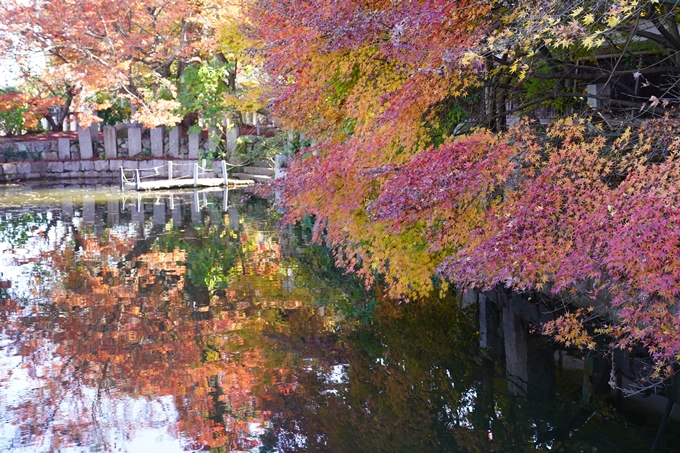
128 328
5 284
244 444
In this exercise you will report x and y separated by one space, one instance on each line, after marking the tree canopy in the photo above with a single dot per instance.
527 145
137 52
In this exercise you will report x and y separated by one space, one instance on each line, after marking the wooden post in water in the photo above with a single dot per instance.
196 174
121 176
169 169
136 179
224 174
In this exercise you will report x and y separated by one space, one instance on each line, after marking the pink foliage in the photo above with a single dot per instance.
528 213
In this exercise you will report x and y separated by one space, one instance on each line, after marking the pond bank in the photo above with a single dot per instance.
508 335
93 169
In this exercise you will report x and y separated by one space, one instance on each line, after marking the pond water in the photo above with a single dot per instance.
193 322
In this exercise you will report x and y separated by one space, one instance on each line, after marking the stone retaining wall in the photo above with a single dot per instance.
95 154
98 168
116 142
29 151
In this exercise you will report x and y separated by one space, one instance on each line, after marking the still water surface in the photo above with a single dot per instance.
192 322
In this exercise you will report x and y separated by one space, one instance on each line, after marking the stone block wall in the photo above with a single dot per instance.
29 151
129 141
99 155
98 169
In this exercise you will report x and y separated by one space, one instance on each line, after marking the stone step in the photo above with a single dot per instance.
266 171
256 178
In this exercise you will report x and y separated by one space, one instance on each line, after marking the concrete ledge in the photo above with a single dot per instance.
146 164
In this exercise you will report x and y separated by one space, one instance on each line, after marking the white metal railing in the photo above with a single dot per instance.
135 176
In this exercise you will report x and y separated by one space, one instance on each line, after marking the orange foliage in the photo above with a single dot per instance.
134 49
126 326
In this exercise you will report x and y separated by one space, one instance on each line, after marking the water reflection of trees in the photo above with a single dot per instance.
131 315
414 380
226 327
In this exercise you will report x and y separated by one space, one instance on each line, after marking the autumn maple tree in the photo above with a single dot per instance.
433 163
151 54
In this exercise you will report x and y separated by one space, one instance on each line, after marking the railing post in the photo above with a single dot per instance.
121 176
196 174
224 173
194 202
136 179
169 169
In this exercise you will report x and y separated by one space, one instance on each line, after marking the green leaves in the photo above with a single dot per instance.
203 87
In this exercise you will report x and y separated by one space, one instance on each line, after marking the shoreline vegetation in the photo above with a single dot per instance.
522 147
